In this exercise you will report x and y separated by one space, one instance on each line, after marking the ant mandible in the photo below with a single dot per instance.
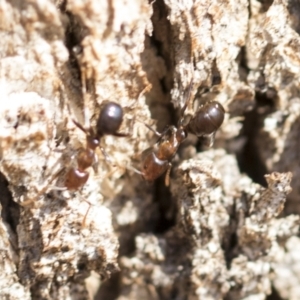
156 160
108 123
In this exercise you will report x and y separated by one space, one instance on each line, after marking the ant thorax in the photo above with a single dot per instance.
168 144
205 122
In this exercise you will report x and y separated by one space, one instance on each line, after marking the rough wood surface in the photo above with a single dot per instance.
227 227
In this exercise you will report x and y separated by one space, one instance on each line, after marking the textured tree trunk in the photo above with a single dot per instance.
226 227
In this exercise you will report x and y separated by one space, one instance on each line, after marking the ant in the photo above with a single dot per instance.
156 160
108 123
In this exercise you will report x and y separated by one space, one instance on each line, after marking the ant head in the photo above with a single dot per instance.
110 119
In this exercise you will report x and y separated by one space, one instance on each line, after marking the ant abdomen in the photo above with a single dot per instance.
153 167
110 119
207 119
75 179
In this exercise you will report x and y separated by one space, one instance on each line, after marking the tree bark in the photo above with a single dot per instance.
227 227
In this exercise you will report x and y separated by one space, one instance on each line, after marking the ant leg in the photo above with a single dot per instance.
80 126
84 95
86 214
146 89
167 178
150 128
186 103
58 188
106 156
83 223
121 134
126 134
131 168
43 190
210 140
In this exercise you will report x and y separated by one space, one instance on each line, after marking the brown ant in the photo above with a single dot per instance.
156 160
108 123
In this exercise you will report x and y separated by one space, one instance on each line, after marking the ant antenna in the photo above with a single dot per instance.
188 98
158 134
80 126
146 89
84 95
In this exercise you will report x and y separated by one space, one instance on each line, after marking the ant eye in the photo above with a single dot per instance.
110 119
